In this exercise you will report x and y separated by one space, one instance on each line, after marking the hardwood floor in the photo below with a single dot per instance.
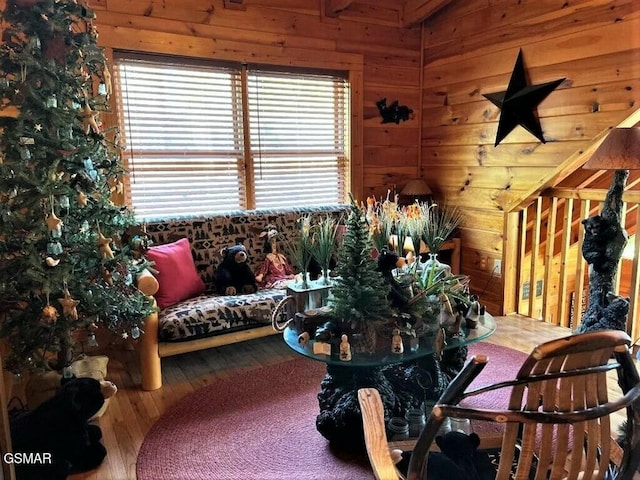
132 411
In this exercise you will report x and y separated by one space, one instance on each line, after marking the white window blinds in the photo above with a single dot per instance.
184 125
298 138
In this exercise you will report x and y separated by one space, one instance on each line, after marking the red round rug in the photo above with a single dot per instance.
261 426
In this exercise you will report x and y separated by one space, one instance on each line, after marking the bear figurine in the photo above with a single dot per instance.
387 261
59 428
234 275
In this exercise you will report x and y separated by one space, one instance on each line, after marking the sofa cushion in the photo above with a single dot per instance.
176 272
210 314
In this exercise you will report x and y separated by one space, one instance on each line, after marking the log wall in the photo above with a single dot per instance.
470 48
366 37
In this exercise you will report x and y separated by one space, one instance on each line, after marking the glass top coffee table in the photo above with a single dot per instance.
405 380
383 355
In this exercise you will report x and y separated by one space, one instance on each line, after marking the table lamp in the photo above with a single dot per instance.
415 189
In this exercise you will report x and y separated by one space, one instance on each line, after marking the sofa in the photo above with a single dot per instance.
205 319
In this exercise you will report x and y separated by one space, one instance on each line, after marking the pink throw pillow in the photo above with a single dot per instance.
177 274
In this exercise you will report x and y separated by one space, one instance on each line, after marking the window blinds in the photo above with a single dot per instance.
184 126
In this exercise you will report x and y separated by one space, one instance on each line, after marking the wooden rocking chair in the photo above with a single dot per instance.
556 425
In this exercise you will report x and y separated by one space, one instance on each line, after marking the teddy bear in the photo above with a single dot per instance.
58 430
458 459
234 275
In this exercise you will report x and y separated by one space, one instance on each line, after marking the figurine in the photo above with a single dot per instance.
440 342
446 318
473 313
276 271
303 339
345 348
396 342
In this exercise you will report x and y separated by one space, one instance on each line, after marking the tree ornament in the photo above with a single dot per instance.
135 332
91 340
89 122
49 314
125 335
106 76
51 102
82 199
103 244
52 262
54 248
69 305
54 224
107 276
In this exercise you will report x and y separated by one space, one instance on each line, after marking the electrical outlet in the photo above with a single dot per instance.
497 266
525 291
539 284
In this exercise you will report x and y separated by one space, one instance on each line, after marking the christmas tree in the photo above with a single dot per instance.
359 296
63 267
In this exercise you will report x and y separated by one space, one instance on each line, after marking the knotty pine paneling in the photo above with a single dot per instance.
366 36
469 49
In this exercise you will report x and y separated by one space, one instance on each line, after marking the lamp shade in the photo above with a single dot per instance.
416 187
620 150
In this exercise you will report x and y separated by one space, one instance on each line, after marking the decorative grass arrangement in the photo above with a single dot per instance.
441 223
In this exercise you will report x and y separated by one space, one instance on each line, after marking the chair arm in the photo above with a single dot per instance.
149 353
375 437
147 283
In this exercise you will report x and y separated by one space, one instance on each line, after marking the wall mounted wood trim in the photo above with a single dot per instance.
417 11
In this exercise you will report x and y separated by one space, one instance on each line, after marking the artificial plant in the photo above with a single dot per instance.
360 295
63 268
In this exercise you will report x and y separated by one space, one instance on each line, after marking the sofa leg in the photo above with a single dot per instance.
150 367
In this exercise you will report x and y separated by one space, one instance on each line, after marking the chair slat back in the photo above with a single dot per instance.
544 447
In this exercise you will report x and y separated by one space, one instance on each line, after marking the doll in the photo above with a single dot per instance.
276 271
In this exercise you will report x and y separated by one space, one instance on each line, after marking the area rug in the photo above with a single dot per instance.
261 426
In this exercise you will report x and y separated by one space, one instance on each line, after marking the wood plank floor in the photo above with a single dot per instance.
132 411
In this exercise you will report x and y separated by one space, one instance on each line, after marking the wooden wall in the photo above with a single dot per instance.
366 38
470 48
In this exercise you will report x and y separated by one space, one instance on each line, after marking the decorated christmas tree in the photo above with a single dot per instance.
360 294
64 269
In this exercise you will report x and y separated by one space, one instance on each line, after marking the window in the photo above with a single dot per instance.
204 138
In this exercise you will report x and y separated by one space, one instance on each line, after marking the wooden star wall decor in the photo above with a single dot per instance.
518 103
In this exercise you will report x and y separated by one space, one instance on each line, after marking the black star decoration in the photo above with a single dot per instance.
518 103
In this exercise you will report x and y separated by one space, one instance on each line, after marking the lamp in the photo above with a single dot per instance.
620 150
415 189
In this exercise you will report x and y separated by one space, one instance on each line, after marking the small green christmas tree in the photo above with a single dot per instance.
63 268
360 295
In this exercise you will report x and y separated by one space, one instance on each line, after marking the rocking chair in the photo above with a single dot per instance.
557 423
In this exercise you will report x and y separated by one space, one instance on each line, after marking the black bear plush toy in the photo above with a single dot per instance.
458 459
234 275
59 432
387 260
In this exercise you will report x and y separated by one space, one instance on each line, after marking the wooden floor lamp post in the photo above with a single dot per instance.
605 237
